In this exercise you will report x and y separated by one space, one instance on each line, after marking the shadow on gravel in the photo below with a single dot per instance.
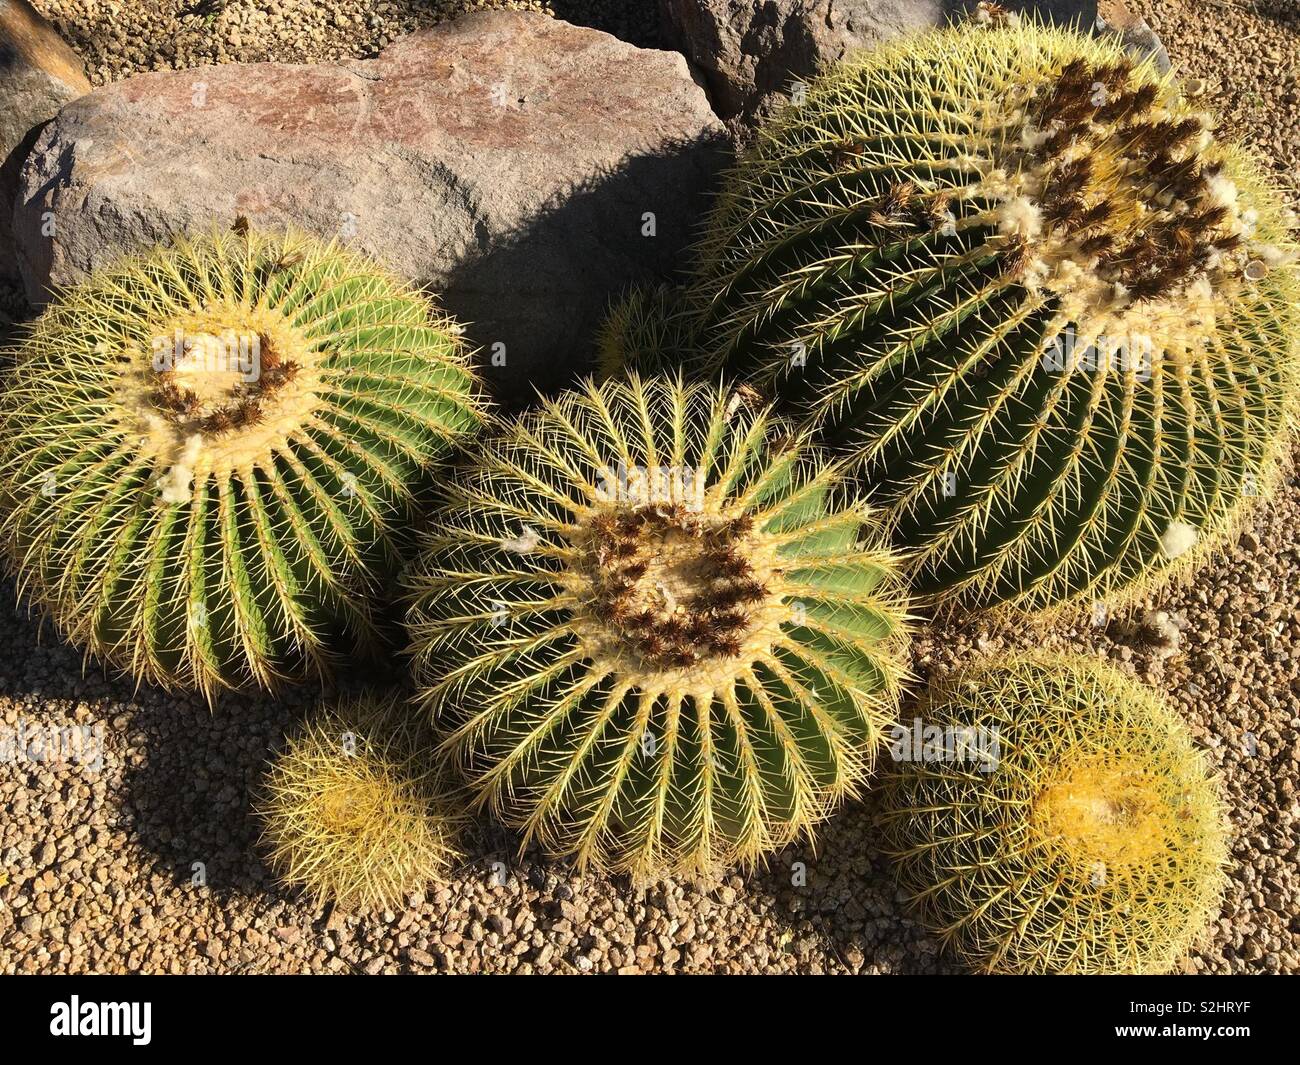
178 773
584 247
841 894
181 776
187 797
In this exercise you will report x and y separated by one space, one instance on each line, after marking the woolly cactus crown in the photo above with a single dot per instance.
1053 317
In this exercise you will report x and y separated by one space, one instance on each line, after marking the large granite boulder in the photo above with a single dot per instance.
524 169
39 73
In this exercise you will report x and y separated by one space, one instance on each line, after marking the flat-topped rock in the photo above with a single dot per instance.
524 169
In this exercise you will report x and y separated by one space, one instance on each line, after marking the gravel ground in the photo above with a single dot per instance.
1248 54
121 37
97 866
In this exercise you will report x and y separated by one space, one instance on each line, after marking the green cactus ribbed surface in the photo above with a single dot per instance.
646 332
1053 318
210 451
1086 837
653 633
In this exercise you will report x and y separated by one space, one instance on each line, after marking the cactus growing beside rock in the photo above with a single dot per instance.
1054 318
645 332
209 451
1093 842
650 631
352 809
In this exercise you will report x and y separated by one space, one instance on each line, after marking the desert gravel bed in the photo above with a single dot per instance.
117 38
98 870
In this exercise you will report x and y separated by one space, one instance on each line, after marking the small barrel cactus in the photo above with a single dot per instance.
645 332
651 633
209 451
352 809
1054 319
1086 836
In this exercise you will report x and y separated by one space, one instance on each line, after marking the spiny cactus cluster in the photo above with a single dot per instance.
1095 844
210 453
1053 318
651 632
1049 320
352 809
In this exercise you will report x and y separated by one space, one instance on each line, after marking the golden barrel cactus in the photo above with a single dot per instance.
1052 316
1091 841
210 450
352 809
654 634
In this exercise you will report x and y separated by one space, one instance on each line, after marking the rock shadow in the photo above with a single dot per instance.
1283 12
627 225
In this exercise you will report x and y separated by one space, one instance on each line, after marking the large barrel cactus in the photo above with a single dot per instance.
1055 818
1055 320
651 632
209 451
352 808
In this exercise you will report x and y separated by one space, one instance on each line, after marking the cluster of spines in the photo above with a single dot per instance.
182 407
646 331
1169 247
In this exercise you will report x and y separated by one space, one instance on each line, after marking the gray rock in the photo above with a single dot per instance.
750 54
1114 16
39 73
511 162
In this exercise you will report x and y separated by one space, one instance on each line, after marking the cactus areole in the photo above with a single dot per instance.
1054 318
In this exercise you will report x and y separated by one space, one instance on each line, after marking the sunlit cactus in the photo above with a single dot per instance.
352 809
653 634
1085 838
210 451
1015 275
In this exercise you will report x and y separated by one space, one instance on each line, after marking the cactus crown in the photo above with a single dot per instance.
208 448
1095 844
1113 200
650 632
220 385
1052 317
